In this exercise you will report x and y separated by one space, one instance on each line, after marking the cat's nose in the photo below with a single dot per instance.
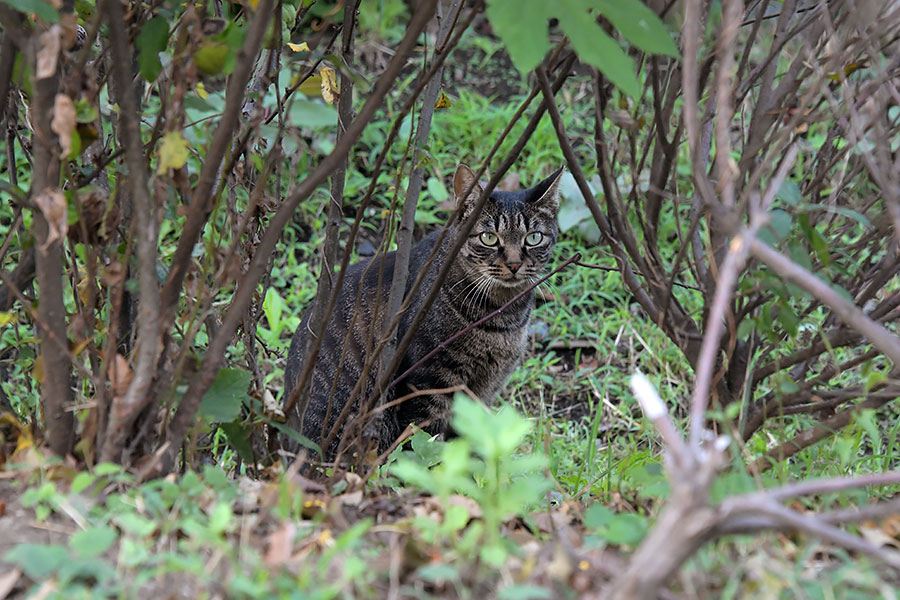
513 266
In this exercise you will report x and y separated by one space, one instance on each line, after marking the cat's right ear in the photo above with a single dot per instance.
464 181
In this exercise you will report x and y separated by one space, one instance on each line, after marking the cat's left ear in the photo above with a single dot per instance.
546 193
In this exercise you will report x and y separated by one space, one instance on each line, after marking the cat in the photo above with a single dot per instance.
506 251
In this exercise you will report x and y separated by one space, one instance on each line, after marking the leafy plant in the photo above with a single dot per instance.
482 465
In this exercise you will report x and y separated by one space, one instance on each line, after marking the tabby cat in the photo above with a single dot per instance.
506 251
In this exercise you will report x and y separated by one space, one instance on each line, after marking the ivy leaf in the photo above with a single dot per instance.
173 152
638 24
522 27
151 40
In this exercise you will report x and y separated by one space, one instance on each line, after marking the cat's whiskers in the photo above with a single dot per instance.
471 284
474 291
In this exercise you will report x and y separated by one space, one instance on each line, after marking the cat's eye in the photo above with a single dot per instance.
489 238
534 238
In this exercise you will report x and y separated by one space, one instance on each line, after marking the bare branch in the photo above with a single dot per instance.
187 410
126 409
877 334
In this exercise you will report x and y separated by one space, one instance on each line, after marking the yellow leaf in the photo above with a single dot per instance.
37 369
6 318
253 3
201 90
330 89
443 101
301 47
173 152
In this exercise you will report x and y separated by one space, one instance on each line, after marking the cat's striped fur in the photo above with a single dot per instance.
506 250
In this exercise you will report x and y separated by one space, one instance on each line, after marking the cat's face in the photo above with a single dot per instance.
513 236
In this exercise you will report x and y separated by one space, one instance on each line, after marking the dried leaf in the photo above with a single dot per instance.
280 544
48 55
443 101
53 206
331 91
877 536
37 369
119 373
173 152
63 123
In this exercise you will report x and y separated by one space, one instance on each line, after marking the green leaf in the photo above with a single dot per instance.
38 560
595 47
220 518
307 113
211 57
789 193
82 481
788 318
627 528
238 438
780 222
598 516
44 10
151 40
273 305
841 210
296 436
222 403
135 524
104 469
522 27
93 542
638 24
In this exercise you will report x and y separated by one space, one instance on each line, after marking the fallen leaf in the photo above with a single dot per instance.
63 123
48 55
876 536
280 544
173 152
53 206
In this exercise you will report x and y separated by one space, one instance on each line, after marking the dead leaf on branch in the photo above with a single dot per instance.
173 152
48 55
120 375
331 91
63 123
53 206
